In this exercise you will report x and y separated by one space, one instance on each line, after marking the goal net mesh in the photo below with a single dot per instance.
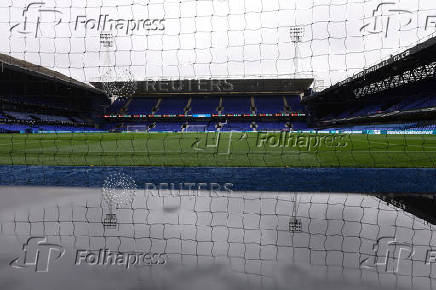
111 40
342 237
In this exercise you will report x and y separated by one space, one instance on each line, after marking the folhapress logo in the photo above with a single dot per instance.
388 255
32 21
38 254
217 142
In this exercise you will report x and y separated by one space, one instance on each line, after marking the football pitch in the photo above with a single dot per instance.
215 149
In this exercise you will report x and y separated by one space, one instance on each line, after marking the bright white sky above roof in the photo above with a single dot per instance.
213 38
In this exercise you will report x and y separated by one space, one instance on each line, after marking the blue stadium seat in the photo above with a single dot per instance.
269 104
142 106
299 125
413 103
237 126
368 110
344 115
211 126
236 105
78 120
204 105
14 127
382 127
117 105
425 103
19 115
295 103
55 102
56 128
172 106
51 118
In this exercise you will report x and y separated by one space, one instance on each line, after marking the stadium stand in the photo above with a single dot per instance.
270 126
33 101
57 128
212 126
398 94
13 127
51 118
298 126
426 127
236 126
203 126
269 104
117 105
22 128
191 109
18 115
401 126
204 105
77 119
294 103
236 105
172 106
64 105
143 106
366 110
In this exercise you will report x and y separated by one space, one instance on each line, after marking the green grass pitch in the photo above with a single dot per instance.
231 149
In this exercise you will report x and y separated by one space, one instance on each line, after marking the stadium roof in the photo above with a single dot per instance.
389 74
18 65
218 87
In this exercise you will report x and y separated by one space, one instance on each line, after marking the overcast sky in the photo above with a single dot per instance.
212 38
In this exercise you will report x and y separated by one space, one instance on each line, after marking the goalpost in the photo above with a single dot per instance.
196 128
136 128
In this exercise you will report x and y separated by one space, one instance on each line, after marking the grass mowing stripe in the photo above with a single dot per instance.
231 149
